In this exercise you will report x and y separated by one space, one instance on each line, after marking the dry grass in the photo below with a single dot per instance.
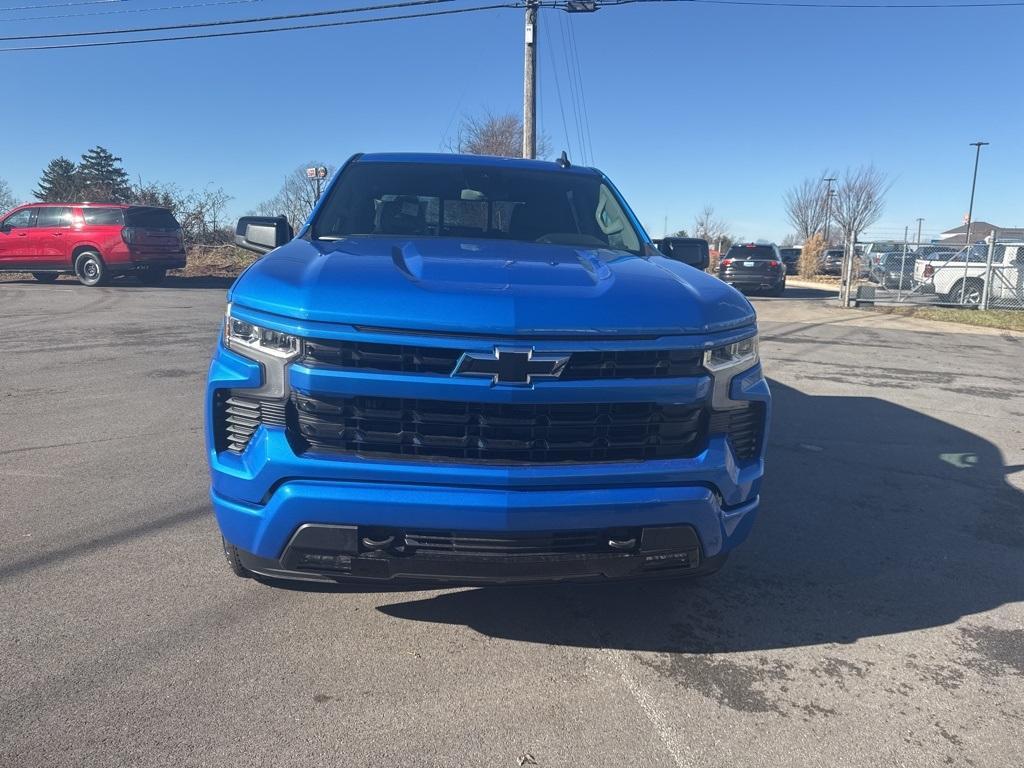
221 261
1006 319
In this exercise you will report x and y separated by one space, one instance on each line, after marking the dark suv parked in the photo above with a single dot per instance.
754 266
94 241
832 261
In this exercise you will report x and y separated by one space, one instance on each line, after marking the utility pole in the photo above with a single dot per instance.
919 231
530 82
970 214
828 207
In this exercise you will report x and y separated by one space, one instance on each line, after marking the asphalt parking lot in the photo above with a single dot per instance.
876 616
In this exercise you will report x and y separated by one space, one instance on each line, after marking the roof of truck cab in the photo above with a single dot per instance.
481 160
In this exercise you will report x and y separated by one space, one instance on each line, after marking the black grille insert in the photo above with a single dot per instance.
238 416
494 543
500 433
396 358
743 426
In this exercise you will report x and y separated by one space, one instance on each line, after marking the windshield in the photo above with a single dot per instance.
752 253
448 200
893 260
150 218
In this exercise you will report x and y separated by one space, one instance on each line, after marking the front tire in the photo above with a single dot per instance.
967 292
90 269
234 562
45 277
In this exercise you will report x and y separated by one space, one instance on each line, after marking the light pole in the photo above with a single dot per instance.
970 214
530 68
919 220
318 175
828 207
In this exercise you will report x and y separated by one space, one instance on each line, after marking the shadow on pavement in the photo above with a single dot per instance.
875 519
125 282
794 292
174 281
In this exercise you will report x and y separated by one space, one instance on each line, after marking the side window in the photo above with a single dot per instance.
21 219
53 216
103 217
612 221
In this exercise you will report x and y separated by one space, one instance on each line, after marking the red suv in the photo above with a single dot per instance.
93 240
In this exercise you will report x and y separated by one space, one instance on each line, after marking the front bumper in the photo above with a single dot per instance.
332 553
754 282
264 495
158 259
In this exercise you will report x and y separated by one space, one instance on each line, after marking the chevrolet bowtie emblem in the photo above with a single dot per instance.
505 365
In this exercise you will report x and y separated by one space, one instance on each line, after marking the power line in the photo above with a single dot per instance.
583 97
574 101
558 90
229 22
797 4
61 5
131 10
240 33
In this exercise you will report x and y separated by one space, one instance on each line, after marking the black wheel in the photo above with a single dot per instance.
779 289
234 562
151 275
90 269
45 277
967 292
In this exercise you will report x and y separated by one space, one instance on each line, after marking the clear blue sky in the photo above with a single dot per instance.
688 104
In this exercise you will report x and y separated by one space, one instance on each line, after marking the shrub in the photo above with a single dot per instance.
810 256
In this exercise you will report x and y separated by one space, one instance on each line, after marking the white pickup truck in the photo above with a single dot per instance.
962 278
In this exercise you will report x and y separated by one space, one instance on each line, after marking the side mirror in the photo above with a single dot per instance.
262 234
688 250
5 228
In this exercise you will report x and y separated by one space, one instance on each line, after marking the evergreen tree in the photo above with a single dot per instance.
102 178
59 182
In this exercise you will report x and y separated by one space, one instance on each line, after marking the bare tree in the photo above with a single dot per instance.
7 199
805 206
709 227
490 134
297 196
859 200
200 212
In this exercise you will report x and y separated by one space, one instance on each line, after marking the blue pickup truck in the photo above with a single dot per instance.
480 370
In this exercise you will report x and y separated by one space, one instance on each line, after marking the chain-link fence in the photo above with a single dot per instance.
985 275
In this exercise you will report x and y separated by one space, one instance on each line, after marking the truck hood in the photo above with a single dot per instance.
501 288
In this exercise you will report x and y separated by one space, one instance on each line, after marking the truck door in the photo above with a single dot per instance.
52 225
15 243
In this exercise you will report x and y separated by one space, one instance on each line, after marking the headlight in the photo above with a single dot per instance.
241 336
735 355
